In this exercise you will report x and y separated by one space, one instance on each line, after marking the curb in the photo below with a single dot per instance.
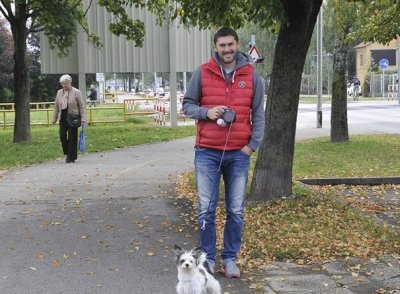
352 181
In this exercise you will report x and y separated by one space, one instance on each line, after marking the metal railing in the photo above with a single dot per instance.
130 107
33 105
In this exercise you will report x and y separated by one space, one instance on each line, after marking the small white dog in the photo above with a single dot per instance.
193 277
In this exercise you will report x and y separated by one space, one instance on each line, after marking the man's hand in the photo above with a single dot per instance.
216 112
247 150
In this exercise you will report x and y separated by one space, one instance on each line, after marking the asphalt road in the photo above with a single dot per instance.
363 116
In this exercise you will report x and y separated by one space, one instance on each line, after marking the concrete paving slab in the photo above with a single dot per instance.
311 283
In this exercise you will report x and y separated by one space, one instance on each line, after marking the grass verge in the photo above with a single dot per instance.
313 226
362 156
45 144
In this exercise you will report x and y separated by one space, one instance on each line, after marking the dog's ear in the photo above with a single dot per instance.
197 252
177 250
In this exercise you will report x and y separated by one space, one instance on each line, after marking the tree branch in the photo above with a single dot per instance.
35 28
87 9
7 13
255 13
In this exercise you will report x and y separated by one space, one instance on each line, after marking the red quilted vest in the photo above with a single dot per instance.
237 95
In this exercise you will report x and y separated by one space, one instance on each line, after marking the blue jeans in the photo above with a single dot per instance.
210 164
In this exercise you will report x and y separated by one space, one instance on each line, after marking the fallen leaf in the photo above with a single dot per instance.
40 256
56 263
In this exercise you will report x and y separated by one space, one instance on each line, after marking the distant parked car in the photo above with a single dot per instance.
350 89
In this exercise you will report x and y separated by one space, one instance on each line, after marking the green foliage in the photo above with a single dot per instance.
341 15
44 87
124 25
234 13
90 79
6 62
6 95
366 85
58 27
381 21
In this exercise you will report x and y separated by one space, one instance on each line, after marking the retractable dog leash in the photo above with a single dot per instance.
227 119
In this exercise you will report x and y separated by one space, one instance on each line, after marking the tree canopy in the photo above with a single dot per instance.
380 21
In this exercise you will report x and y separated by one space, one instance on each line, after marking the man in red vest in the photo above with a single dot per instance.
226 97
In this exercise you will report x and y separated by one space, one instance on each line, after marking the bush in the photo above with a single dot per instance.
6 95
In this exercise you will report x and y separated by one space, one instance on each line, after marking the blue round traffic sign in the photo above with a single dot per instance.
383 63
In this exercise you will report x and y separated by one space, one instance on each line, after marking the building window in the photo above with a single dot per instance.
361 60
389 54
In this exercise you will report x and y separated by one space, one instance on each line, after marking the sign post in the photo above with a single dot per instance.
253 51
255 54
383 63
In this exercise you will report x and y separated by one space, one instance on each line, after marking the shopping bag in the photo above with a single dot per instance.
82 142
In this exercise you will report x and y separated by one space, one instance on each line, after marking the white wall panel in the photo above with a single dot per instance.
190 48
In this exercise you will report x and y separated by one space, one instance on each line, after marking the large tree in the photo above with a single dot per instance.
353 22
29 16
293 20
340 17
273 170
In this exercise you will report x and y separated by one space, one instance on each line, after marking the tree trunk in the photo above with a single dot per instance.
22 131
273 170
339 125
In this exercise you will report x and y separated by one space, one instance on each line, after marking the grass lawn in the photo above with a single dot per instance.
362 156
45 144
315 225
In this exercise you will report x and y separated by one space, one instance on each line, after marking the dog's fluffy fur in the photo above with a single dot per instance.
193 277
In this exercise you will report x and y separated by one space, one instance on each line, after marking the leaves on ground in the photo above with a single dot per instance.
312 227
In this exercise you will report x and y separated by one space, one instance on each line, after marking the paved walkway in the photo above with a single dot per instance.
107 223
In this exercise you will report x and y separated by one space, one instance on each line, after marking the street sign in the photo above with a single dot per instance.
255 54
383 63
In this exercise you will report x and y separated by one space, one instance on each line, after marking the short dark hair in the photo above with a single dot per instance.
225 31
